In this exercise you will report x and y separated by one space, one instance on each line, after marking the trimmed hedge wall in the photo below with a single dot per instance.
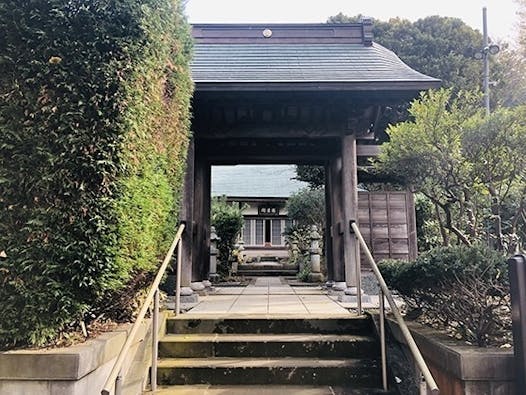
94 125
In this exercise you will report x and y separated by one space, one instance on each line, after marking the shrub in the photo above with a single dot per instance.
463 289
94 119
307 207
227 217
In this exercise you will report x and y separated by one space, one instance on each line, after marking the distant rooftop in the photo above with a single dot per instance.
321 56
255 181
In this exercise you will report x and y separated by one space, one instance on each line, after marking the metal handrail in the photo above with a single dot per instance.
420 363
115 378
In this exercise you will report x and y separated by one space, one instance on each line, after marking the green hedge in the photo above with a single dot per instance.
463 290
94 124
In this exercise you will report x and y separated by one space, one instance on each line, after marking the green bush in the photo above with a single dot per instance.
462 289
307 207
94 120
227 217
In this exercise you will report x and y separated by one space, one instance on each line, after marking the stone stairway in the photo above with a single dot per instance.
266 268
253 355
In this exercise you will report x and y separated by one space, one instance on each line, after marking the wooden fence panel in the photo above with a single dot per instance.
387 222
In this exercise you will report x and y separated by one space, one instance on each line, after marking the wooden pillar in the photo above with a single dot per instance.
199 218
337 220
327 245
207 191
350 209
187 216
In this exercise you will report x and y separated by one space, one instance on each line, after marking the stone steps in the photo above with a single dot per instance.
266 272
266 269
348 325
206 389
267 345
302 355
277 370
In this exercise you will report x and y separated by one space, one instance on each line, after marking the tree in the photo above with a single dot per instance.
508 78
313 175
441 47
307 207
494 148
469 166
522 26
444 47
227 217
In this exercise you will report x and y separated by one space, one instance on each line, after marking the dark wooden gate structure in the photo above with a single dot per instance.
289 94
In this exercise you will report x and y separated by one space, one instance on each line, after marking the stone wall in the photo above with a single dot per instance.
458 368
81 369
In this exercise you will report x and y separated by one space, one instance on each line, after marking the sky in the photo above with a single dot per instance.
502 18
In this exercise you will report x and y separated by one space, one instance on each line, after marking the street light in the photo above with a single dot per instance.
483 54
492 49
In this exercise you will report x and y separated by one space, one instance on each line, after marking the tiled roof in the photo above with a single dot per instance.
350 63
330 56
255 181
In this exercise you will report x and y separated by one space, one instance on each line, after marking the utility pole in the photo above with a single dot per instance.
483 54
486 59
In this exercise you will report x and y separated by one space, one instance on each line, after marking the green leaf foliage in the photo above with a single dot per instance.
464 290
94 123
471 167
442 47
313 175
306 207
227 218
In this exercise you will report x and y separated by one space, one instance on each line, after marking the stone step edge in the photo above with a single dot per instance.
237 389
267 317
263 338
266 363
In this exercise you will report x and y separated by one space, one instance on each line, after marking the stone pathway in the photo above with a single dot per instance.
268 296
273 296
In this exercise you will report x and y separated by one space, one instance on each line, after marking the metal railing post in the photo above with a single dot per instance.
411 344
382 339
118 383
155 341
422 386
358 270
116 375
178 278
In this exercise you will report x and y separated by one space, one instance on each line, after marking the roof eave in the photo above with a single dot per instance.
320 86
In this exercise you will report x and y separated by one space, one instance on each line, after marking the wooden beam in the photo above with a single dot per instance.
207 192
350 208
328 224
367 150
199 218
337 219
187 217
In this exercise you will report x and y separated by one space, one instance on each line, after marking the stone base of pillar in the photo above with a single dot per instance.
208 286
188 296
351 291
339 286
350 295
198 287
315 277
